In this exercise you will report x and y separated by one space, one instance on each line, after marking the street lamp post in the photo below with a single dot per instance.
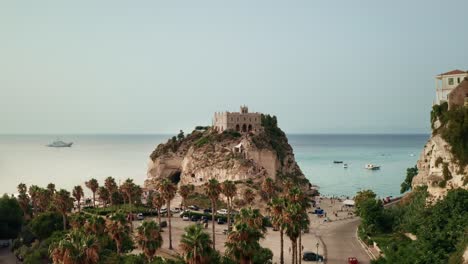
317 245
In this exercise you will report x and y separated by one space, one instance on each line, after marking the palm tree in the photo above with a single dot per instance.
93 185
276 208
77 221
103 195
196 244
34 194
253 218
118 230
229 189
249 196
63 203
23 199
158 202
168 191
95 225
77 248
51 188
149 238
44 197
127 189
185 191
212 190
243 242
296 219
111 187
268 187
77 194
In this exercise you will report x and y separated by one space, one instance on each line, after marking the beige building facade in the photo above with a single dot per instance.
446 82
242 121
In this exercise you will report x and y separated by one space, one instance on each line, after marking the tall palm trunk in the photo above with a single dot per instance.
94 199
229 214
169 221
213 210
131 213
282 245
300 248
64 218
159 216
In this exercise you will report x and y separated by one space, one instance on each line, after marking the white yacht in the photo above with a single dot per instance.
60 144
372 167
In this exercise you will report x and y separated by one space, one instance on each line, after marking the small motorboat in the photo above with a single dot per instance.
337 161
372 167
345 166
60 144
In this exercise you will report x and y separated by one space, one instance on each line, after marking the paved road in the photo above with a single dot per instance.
341 242
6 257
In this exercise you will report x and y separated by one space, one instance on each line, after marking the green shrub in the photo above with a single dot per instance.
455 132
406 184
446 172
442 184
44 224
11 217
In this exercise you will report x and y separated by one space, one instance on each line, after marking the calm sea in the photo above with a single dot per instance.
27 159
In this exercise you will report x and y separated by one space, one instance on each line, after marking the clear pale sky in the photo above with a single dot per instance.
160 66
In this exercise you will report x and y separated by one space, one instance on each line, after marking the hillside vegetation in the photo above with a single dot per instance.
453 129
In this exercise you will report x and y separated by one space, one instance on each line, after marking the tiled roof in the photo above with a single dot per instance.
453 72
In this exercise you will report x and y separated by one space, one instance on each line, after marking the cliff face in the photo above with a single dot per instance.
206 154
438 168
436 160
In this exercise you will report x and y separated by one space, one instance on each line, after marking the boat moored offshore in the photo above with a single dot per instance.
60 144
372 167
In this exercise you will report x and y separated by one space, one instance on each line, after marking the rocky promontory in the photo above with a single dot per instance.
242 157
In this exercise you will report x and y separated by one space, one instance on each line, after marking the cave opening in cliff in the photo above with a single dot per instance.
175 177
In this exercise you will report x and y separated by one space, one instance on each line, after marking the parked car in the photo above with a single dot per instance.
185 212
140 216
311 256
194 207
222 211
175 210
163 224
207 211
220 221
185 218
194 218
4 243
353 260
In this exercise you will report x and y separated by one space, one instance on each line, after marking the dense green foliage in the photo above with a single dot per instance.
272 137
410 173
11 217
441 229
43 225
454 129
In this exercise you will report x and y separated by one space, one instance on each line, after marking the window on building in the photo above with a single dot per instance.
458 79
450 81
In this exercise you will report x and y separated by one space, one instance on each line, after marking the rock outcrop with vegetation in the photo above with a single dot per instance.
442 165
246 158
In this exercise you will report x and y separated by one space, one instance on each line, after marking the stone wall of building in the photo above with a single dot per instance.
457 96
239 121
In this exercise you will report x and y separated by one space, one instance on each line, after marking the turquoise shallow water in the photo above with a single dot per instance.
394 153
26 159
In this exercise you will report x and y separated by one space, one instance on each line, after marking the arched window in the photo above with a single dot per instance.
237 127
250 128
244 128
